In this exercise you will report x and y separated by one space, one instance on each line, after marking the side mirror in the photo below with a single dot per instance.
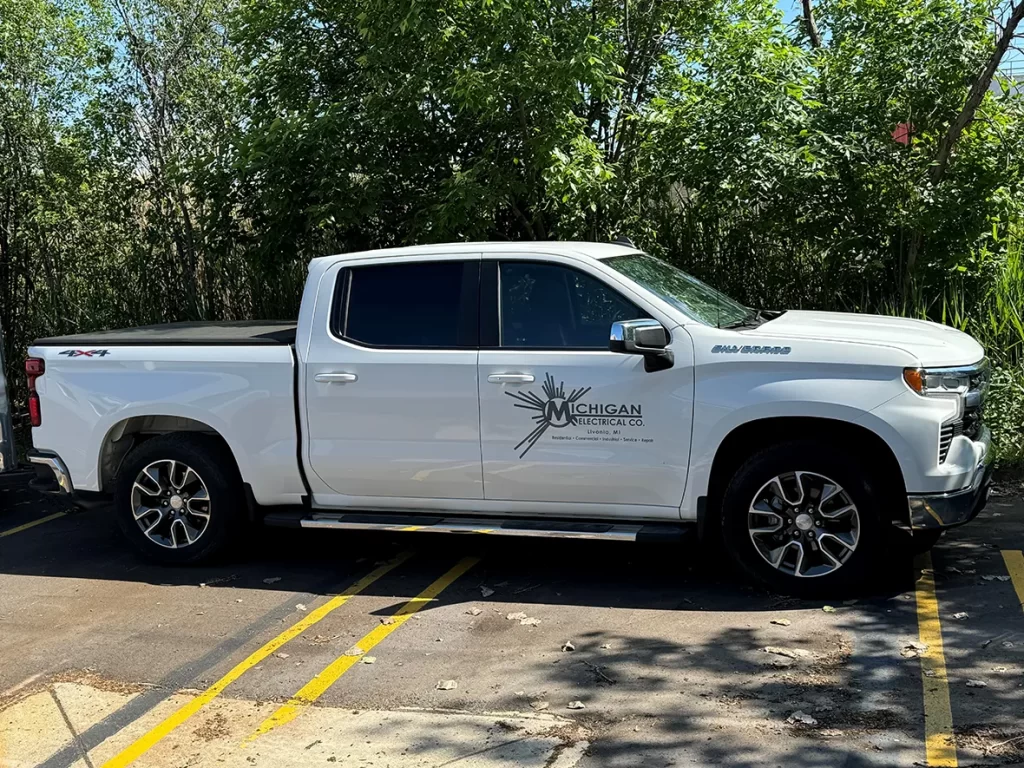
642 337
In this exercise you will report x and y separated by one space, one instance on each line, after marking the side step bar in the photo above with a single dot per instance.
559 529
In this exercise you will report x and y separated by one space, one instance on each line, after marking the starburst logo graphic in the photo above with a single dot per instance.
555 409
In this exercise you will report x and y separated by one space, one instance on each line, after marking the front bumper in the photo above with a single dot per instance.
942 510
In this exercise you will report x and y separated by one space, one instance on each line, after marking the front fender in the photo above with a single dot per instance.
717 414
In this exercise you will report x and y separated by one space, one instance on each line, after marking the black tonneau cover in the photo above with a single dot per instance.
224 333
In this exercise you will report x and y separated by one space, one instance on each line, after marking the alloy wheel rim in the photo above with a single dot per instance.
804 524
171 504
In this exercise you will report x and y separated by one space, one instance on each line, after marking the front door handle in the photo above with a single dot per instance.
335 378
510 378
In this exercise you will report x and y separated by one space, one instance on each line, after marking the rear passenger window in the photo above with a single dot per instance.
419 305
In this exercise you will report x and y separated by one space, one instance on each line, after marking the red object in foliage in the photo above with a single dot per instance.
902 133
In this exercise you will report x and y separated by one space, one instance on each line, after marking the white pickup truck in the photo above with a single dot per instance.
541 389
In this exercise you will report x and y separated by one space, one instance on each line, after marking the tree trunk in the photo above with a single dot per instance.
812 27
956 128
977 93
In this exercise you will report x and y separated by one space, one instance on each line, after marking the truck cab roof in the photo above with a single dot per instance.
577 249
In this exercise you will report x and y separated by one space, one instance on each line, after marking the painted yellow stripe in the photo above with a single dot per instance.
146 742
1014 560
939 747
33 524
316 687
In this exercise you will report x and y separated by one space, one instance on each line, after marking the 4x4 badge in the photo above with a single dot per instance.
85 352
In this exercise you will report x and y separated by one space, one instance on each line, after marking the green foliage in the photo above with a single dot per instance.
165 159
1004 414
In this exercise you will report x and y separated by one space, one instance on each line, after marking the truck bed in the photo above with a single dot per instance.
223 333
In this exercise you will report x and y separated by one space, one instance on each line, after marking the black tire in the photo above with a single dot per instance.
814 456
210 458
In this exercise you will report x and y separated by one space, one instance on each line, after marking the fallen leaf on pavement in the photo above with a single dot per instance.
529 622
367 659
977 684
577 705
355 650
474 611
568 646
446 685
539 705
300 607
961 615
519 616
272 580
828 608
913 650
791 653
486 591
782 622
801 717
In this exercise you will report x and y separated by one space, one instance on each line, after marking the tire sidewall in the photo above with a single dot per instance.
214 464
820 458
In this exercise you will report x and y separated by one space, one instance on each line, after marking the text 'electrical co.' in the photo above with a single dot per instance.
582 419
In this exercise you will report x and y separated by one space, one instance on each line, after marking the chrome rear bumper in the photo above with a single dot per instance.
57 479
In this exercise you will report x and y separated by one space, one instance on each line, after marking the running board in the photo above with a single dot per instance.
558 529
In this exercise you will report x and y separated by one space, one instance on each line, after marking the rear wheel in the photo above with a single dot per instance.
178 498
804 518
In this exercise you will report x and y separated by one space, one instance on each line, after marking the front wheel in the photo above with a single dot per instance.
803 517
178 498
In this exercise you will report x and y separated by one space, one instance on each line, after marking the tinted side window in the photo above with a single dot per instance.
549 306
410 305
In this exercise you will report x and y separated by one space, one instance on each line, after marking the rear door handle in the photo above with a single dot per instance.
335 378
510 378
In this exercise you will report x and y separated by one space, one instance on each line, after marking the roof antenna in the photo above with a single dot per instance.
623 240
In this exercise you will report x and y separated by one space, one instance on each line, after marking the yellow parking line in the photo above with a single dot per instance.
33 524
1014 560
939 746
148 740
316 687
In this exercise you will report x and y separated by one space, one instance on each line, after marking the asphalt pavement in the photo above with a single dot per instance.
312 648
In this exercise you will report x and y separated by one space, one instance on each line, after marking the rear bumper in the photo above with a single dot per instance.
52 474
52 477
942 510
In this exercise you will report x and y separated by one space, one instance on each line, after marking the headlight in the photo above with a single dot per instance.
938 382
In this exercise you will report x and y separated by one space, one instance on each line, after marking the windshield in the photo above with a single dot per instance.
685 292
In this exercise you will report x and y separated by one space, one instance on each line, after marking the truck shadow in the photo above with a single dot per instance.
88 545
716 699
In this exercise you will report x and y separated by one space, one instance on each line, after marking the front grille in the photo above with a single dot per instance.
946 435
973 403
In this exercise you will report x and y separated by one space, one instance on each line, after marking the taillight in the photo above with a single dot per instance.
34 368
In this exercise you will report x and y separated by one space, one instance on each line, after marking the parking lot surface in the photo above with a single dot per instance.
317 648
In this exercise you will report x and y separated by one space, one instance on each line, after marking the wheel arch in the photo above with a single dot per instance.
130 432
745 439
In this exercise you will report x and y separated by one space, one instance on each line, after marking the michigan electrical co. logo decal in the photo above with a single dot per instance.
558 410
